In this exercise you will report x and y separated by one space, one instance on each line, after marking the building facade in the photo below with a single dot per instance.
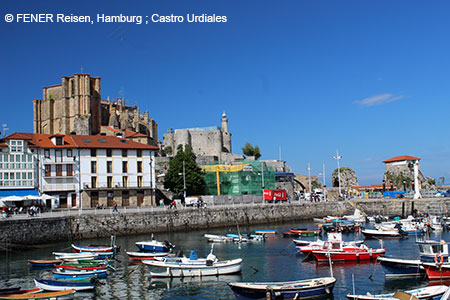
17 166
83 171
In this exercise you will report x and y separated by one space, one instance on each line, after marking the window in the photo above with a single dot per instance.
48 170
140 181
47 153
139 166
59 141
69 153
109 181
58 155
139 152
69 170
124 167
109 167
16 146
93 167
93 152
124 153
124 181
93 182
58 170
109 152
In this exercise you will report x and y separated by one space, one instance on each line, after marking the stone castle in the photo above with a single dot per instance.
211 141
75 107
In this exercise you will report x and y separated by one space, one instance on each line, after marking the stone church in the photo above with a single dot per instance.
75 107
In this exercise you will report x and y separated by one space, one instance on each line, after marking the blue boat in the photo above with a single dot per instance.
155 246
79 274
300 289
55 285
402 268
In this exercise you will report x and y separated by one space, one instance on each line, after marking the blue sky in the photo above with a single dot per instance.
369 78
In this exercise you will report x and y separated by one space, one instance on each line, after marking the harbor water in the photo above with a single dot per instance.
272 260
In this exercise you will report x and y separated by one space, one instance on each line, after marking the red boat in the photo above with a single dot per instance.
334 242
355 253
436 271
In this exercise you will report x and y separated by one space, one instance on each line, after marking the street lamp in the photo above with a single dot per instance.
338 157
309 177
184 180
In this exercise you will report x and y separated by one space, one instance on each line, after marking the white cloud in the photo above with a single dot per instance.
379 99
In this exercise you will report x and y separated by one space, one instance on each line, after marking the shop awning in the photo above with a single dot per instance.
19 193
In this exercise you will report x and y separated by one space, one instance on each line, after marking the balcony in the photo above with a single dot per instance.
58 187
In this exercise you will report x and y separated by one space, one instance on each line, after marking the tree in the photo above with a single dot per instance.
249 150
195 182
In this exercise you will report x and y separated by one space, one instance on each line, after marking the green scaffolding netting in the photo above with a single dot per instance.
250 177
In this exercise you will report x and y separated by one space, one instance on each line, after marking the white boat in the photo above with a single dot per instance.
82 255
194 266
429 292
218 238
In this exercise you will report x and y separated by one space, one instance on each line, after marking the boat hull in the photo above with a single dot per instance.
54 285
304 289
145 256
196 269
437 272
347 256
402 268
68 294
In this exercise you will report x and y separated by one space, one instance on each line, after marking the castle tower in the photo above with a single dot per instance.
224 122
226 135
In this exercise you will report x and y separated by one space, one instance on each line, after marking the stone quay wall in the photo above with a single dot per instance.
16 233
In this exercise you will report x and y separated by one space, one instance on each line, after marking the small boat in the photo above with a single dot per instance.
245 237
266 231
94 249
300 242
437 271
194 266
79 273
384 234
37 263
75 268
82 255
155 246
218 238
69 255
402 268
55 285
18 291
145 255
302 232
68 294
351 253
429 292
300 289
334 241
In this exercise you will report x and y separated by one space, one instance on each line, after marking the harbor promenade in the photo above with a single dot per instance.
67 225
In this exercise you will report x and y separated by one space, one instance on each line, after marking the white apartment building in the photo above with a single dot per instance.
90 171
17 166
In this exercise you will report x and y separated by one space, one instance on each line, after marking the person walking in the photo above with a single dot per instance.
115 207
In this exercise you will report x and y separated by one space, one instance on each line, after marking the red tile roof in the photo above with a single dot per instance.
111 142
401 158
128 133
79 141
